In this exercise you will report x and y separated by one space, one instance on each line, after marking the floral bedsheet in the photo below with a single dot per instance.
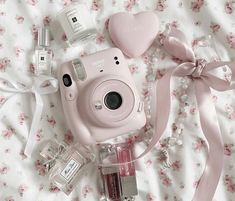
23 178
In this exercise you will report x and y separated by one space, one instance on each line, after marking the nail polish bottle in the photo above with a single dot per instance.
43 53
77 23
66 164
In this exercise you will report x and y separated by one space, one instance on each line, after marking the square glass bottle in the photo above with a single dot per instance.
66 164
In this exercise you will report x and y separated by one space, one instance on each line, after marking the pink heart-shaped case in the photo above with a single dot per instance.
133 34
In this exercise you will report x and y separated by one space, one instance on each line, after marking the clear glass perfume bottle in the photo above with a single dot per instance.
77 23
66 164
43 53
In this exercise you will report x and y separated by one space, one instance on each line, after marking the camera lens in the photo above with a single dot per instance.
67 80
113 100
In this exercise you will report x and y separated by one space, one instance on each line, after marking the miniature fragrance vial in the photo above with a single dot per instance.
43 53
77 23
66 164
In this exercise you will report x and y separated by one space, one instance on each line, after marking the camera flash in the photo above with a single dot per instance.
79 70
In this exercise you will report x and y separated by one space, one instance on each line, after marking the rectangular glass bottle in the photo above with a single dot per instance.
43 53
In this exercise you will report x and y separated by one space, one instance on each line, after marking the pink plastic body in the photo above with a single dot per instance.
133 34
83 102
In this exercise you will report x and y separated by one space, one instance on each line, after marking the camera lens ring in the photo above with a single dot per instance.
113 100
105 116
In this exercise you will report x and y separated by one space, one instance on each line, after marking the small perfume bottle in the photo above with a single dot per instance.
119 182
43 53
66 164
77 23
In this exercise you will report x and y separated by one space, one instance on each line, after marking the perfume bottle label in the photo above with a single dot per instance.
74 20
70 170
43 60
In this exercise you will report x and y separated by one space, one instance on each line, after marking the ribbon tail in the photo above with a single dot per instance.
210 127
161 109
232 67
34 126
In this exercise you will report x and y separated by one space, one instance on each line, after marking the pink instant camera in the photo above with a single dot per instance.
99 97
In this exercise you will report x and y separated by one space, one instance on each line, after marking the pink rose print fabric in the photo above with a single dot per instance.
172 170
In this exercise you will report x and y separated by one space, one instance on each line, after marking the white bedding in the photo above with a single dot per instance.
24 179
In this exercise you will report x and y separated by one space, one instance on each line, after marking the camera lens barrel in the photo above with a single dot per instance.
113 100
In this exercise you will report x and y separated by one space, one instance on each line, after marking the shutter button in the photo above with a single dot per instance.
141 105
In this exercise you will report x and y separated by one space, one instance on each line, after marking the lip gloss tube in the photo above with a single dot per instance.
127 170
111 182
110 175
119 182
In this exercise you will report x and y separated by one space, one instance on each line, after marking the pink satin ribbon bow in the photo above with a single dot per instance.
200 72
